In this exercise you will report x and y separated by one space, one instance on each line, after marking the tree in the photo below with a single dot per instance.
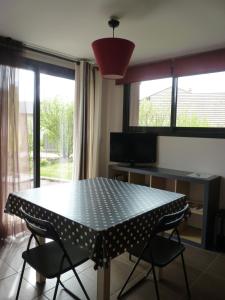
57 126
153 115
156 116
186 119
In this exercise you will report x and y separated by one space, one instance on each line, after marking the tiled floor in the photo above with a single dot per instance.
206 271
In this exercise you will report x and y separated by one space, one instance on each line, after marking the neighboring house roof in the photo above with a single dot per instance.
207 106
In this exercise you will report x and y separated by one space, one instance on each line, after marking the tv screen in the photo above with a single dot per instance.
133 147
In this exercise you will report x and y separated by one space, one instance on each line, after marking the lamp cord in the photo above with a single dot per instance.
113 23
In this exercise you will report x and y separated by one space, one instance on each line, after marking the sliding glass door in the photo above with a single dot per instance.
25 128
45 122
56 128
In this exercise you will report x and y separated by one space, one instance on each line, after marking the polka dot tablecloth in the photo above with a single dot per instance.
104 215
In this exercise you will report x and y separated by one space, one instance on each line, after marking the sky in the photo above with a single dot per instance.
50 87
206 83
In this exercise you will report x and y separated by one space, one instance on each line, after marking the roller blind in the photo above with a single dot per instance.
200 63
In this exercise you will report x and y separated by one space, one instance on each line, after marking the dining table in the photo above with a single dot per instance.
105 216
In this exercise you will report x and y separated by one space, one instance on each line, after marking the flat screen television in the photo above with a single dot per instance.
133 147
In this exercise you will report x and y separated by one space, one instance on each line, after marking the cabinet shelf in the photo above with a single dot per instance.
197 211
192 234
202 194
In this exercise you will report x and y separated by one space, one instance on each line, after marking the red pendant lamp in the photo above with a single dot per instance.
113 54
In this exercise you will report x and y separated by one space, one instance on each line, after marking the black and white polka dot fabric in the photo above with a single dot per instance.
104 215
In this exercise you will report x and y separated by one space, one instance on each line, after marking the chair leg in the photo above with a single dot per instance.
155 282
56 287
69 291
149 271
185 276
81 284
20 282
125 284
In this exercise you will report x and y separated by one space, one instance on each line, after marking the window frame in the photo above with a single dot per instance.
171 130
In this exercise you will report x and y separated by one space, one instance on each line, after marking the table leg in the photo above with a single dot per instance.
39 277
103 283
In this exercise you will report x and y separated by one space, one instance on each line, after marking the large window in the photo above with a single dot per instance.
201 101
153 104
186 105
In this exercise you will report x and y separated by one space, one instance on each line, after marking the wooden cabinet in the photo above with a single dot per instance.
202 191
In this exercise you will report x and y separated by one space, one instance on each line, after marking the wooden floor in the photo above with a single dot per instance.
206 271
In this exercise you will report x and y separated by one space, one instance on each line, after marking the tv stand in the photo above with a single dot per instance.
131 164
202 191
135 165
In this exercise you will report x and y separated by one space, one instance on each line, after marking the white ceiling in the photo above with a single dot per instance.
159 28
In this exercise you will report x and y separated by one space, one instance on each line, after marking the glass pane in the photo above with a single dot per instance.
201 101
26 103
56 120
152 105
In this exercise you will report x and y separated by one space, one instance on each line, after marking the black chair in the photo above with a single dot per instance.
51 259
159 251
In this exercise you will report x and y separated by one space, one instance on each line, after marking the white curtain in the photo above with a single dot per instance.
14 150
87 121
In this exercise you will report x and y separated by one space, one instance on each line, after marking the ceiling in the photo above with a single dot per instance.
159 28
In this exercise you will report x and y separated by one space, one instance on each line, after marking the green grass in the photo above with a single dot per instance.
59 170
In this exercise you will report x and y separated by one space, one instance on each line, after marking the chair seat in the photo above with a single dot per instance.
46 258
163 250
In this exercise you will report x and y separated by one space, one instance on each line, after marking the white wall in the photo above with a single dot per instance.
112 117
202 155
195 155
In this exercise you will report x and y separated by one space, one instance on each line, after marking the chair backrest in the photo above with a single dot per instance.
171 221
39 227
43 228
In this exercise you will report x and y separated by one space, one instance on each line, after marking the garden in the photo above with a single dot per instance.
56 139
